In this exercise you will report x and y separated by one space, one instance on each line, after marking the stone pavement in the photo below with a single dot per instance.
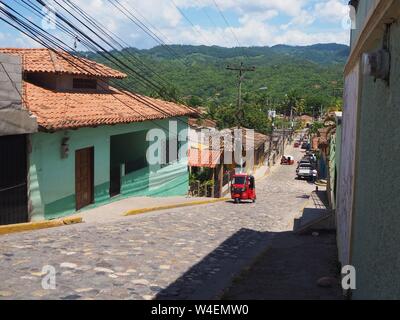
181 253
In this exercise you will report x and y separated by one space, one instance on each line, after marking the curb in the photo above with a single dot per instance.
320 184
30 226
173 206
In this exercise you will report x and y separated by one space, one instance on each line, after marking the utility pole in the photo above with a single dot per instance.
321 116
242 69
291 116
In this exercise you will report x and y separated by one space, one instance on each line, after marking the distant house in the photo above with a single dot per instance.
307 120
335 140
208 146
90 145
323 147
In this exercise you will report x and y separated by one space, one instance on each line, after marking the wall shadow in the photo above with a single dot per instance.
208 278
252 265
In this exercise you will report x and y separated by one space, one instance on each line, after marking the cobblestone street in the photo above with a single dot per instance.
188 253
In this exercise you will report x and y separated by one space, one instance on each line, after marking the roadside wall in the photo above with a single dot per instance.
344 201
376 225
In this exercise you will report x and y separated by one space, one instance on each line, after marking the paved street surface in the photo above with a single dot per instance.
293 264
187 253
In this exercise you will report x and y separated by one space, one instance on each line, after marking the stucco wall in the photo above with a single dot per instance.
52 178
376 224
14 119
344 200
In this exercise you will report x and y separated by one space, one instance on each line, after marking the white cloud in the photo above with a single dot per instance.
258 22
296 37
333 10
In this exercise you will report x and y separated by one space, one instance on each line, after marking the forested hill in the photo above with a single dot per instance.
319 53
198 74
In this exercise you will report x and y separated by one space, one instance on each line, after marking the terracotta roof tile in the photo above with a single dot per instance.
45 60
69 110
204 158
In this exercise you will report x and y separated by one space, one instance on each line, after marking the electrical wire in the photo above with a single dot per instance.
33 34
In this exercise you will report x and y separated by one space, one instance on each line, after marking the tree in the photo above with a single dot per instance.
194 101
315 127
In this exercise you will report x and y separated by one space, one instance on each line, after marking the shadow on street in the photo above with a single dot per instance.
254 265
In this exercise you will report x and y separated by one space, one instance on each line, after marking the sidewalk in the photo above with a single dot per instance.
316 215
116 210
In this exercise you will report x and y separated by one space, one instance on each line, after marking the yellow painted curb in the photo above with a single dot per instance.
21 227
172 206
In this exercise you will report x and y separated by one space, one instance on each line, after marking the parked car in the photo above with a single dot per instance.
297 144
304 145
311 158
305 162
306 171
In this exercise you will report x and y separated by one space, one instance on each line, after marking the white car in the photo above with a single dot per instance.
306 171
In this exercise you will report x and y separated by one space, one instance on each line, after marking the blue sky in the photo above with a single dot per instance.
251 22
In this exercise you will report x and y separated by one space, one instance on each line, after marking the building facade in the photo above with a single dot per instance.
89 142
368 203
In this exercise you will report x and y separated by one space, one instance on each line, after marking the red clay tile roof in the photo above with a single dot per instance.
45 60
204 158
70 110
202 123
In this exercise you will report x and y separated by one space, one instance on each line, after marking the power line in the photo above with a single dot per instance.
150 24
128 89
116 39
212 22
227 23
143 27
72 34
90 46
190 22
33 33
104 53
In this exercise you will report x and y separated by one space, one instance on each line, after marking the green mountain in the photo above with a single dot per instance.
198 74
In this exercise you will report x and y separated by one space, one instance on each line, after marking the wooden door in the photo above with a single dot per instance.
115 181
13 180
84 177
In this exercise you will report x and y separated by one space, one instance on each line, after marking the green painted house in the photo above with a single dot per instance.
93 140
334 159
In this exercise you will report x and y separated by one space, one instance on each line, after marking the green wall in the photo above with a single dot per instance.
376 217
52 179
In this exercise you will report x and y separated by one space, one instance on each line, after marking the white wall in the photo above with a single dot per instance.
347 165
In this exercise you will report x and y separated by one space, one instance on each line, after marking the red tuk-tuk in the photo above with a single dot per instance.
287 160
243 188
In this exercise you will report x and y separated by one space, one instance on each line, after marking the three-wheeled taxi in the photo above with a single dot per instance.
287 160
243 188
